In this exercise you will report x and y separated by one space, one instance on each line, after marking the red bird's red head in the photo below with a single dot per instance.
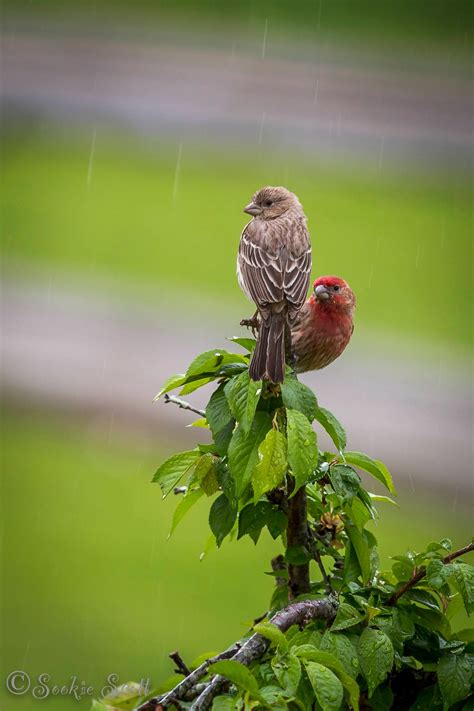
333 293
323 327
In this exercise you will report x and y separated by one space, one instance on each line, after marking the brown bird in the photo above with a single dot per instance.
323 327
273 269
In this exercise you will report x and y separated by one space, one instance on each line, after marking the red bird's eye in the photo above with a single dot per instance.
336 288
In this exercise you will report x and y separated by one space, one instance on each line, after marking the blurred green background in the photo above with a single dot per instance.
150 209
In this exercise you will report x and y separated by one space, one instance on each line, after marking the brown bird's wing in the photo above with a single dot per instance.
274 263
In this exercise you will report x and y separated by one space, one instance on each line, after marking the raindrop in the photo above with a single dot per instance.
177 171
264 45
411 481
381 152
91 158
455 502
262 123
316 89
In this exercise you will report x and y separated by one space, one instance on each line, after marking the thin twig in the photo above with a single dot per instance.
182 404
420 574
326 578
181 667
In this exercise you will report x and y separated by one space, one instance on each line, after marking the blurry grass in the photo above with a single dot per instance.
92 587
403 242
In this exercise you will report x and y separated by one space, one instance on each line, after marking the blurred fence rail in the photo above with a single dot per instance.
325 104
97 356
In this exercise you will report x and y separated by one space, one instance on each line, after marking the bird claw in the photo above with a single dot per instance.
251 323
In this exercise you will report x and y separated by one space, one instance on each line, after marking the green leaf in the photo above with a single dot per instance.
277 522
297 396
345 481
297 555
463 575
361 548
287 669
211 361
373 466
342 648
272 465
195 383
376 657
310 654
237 673
175 381
186 503
358 513
222 518
437 573
224 703
332 426
243 395
347 616
243 450
253 518
173 469
248 343
205 473
269 631
218 413
302 447
327 687
454 677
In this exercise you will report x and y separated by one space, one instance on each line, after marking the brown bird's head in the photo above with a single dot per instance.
271 202
333 293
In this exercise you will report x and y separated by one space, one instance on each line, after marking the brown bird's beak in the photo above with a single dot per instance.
253 209
321 292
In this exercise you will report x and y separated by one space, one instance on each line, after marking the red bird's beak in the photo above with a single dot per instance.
322 293
253 209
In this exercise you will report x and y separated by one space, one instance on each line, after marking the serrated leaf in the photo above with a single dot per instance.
243 450
194 384
376 657
269 631
186 503
347 616
345 481
332 426
173 469
287 669
247 343
243 395
175 381
224 703
373 466
361 547
454 677
329 660
237 673
222 518
302 447
297 396
218 412
327 687
205 473
358 513
277 522
253 518
463 575
272 465
211 361
342 648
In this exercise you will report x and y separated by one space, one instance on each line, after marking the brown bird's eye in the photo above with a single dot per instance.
335 287
268 203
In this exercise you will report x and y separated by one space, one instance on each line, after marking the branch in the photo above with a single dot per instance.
181 667
181 690
182 404
422 573
296 613
326 578
297 535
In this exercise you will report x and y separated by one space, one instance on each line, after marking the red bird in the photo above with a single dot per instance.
323 327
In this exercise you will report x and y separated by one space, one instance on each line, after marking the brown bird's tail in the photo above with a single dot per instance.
268 360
